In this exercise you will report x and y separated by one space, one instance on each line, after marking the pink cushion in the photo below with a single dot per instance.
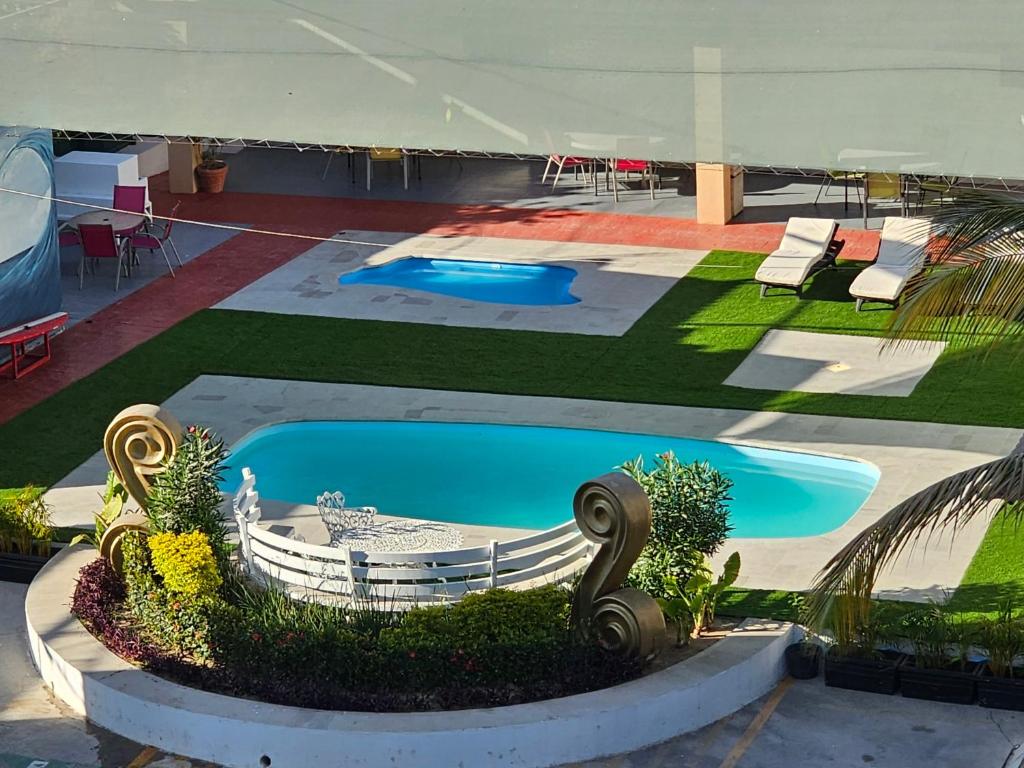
68 237
631 165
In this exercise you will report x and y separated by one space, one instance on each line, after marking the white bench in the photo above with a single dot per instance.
401 580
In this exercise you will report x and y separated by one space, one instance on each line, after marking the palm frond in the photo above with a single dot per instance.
950 503
975 291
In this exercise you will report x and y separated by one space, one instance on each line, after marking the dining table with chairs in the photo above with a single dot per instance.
116 234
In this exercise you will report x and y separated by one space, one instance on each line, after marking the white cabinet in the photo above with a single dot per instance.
90 177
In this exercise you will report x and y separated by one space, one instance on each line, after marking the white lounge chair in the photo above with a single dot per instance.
901 255
808 246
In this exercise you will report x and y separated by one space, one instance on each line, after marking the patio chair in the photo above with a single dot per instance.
832 176
349 154
808 246
386 155
150 240
98 242
67 236
643 167
339 519
883 186
131 199
561 162
939 188
902 252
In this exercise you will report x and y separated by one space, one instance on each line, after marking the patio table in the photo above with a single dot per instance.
124 224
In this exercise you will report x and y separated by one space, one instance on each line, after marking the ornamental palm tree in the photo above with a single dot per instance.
973 295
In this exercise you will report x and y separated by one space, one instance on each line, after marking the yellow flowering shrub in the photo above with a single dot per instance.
186 563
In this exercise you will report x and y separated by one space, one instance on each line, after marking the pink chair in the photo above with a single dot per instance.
131 199
561 162
150 240
643 167
67 236
98 242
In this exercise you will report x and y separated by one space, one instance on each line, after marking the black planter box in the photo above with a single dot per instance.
21 569
950 685
803 662
1002 692
880 674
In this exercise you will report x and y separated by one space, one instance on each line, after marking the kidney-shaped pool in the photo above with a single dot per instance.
525 476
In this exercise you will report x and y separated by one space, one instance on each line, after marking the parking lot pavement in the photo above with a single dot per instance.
803 723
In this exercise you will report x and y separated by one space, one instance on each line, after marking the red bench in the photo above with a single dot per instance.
20 336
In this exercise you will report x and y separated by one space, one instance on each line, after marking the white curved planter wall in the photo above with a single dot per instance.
236 732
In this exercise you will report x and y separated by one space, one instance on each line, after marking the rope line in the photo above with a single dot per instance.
315 238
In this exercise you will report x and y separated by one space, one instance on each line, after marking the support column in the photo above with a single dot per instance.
719 192
182 160
719 187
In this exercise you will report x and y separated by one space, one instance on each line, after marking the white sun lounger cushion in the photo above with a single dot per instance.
901 255
803 245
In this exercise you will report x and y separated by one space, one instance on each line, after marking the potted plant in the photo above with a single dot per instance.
212 171
803 658
932 673
855 661
1001 685
25 535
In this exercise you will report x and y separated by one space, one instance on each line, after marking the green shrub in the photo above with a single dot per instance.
114 498
497 616
689 520
186 563
25 525
494 647
185 497
178 623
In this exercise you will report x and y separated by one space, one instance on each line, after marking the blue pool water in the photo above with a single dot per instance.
523 476
490 281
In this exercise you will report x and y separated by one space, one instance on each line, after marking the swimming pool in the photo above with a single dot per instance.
489 281
525 477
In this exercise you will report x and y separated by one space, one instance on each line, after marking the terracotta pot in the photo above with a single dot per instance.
211 179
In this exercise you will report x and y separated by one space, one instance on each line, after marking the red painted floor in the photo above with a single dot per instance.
227 268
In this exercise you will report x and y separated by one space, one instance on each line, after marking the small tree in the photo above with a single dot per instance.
185 497
689 520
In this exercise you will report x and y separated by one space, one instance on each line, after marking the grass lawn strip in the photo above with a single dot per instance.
678 353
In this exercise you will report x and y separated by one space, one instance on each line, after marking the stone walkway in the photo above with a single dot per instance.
829 362
616 284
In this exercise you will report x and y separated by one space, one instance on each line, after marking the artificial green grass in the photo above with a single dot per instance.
995 577
763 603
678 353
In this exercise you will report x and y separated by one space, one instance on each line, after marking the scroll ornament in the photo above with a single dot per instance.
140 441
613 511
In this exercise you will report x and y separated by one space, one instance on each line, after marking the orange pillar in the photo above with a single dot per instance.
719 192
182 159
